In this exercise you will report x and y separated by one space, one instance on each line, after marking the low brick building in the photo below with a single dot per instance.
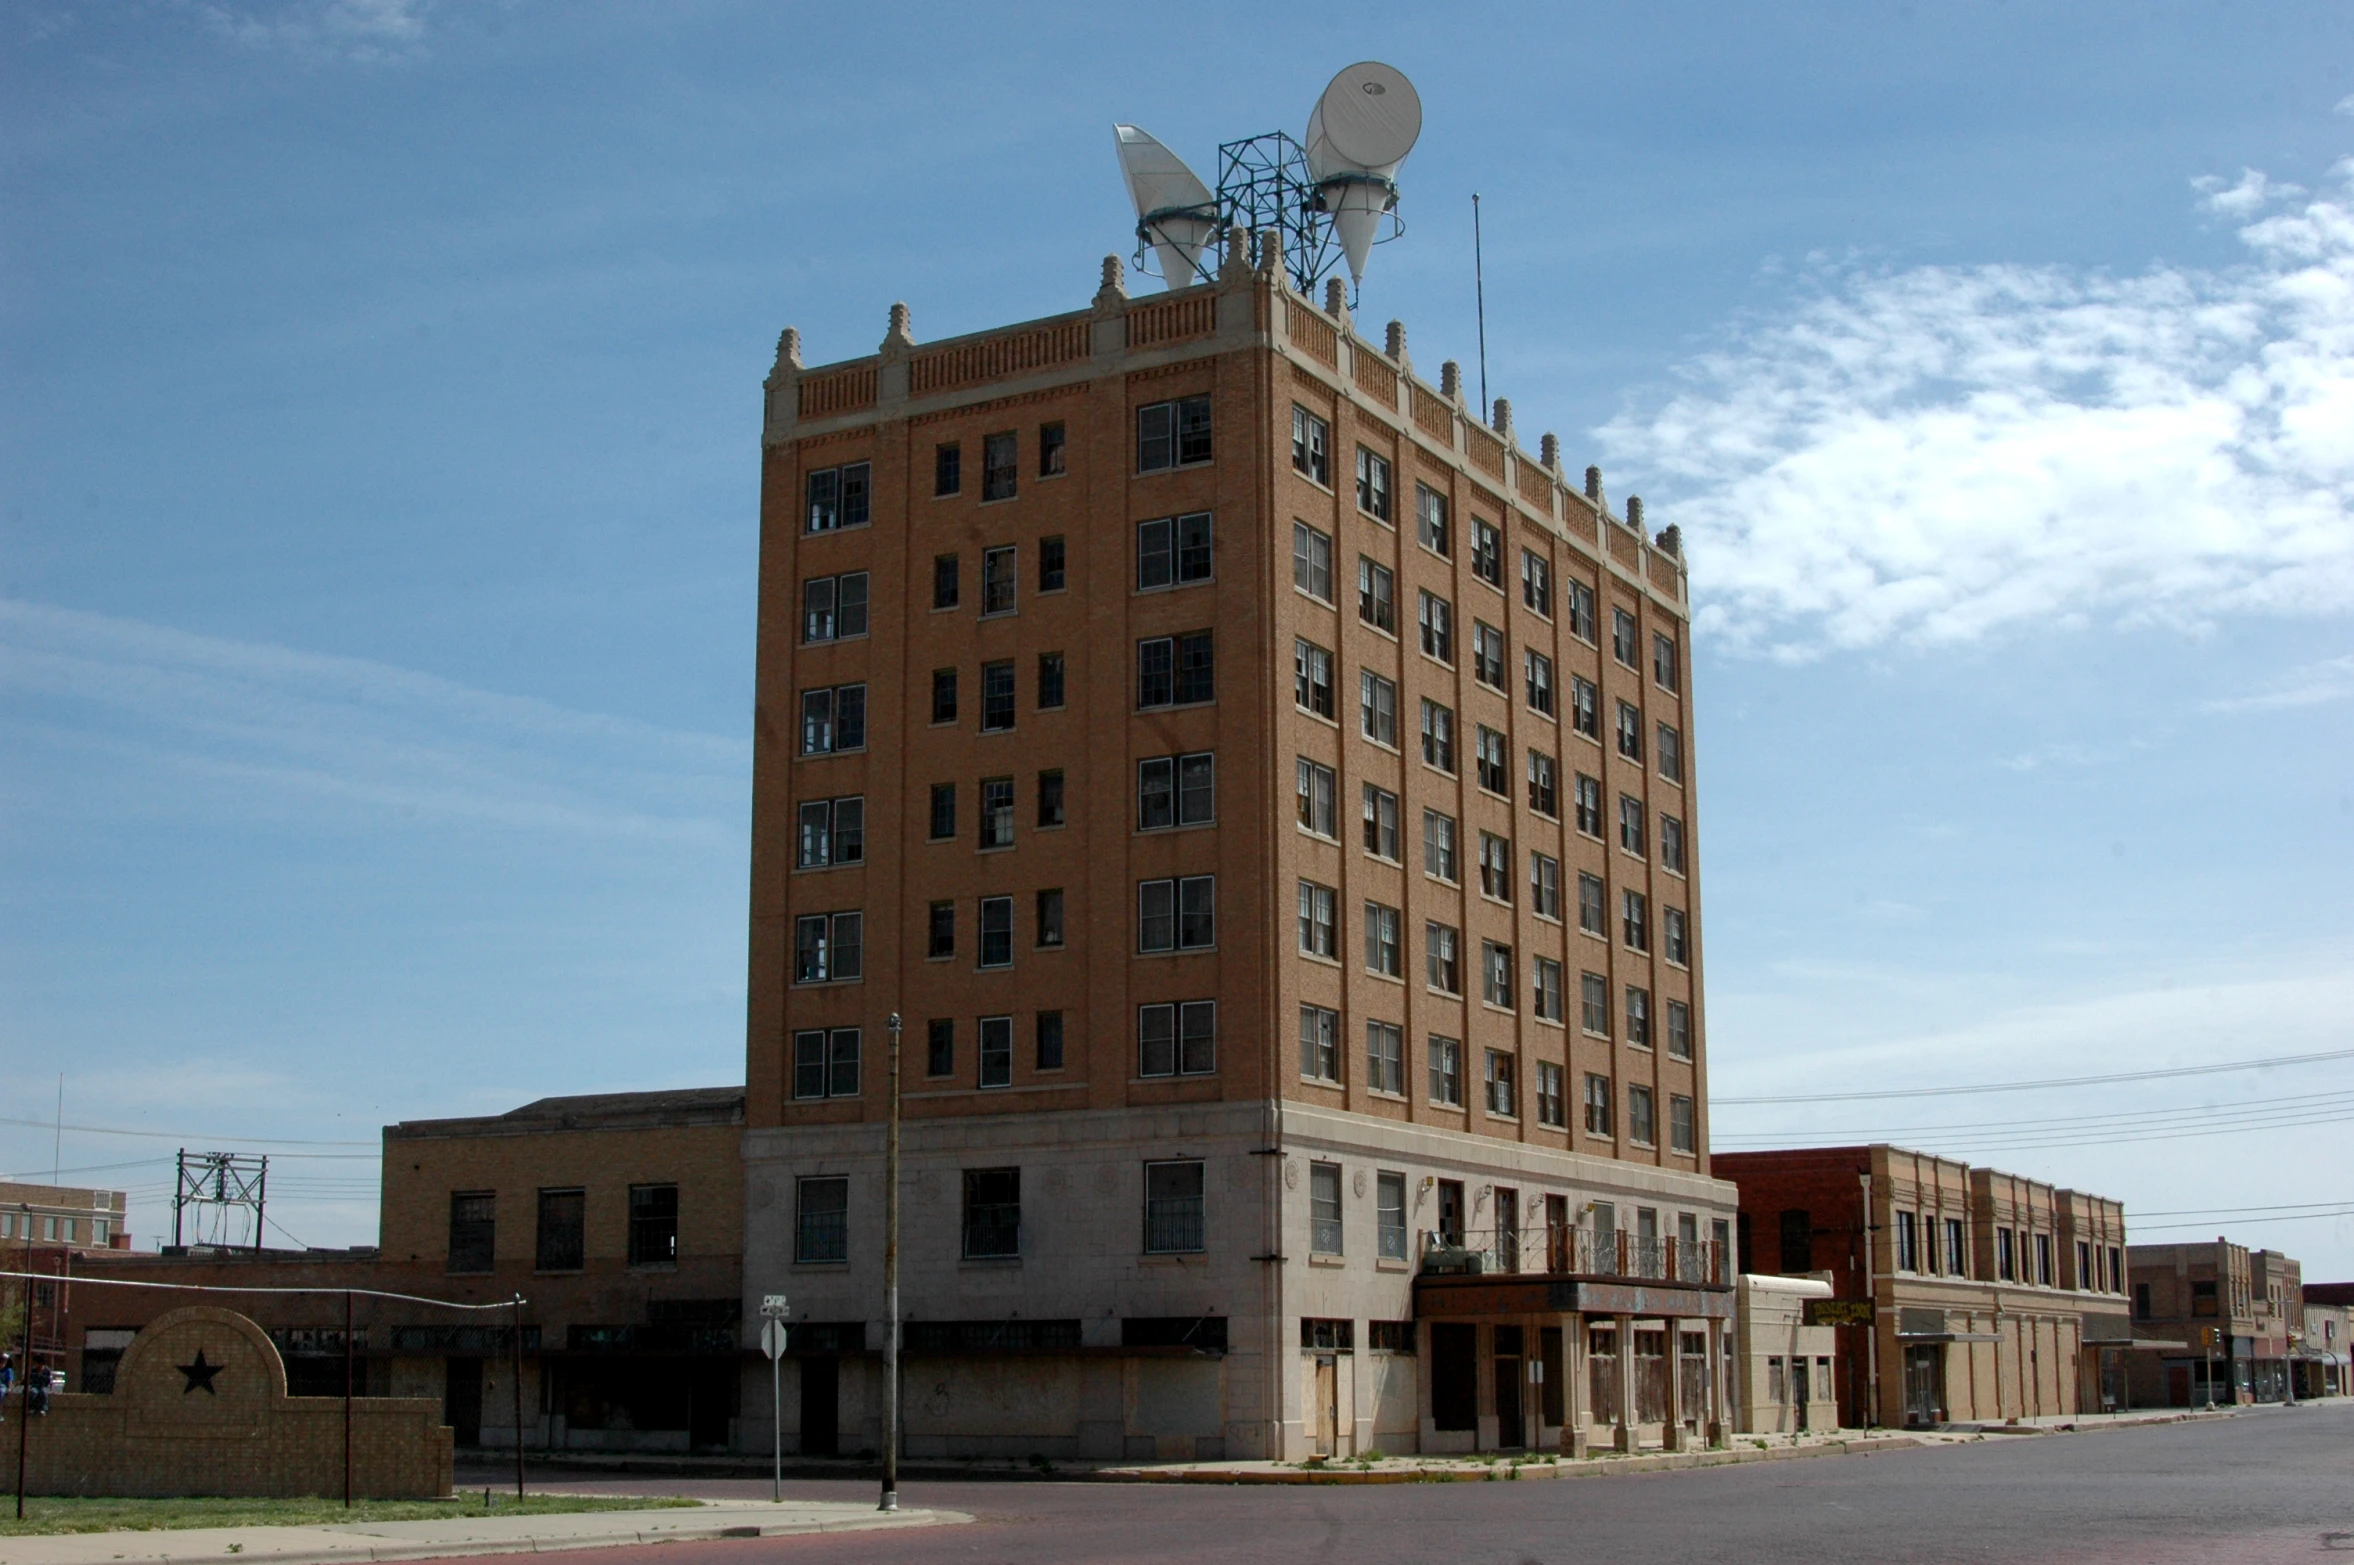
2229 1315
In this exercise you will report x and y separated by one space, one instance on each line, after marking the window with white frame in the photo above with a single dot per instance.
1311 561
1178 914
1172 434
1319 920
1377 595
1311 445
1495 866
1442 957
834 607
1177 790
1497 981
1594 1004
1319 1043
1383 940
1177 1038
1552 1111
1438 845
1487 654
1311 677
825 1062
1381 823
1446 1071
828 947
832 831
1314 785
1173 551
1431 525
1438 736
1377 708
1544 885
1373 485
1385 1058
1545 988
1501 1101
1488 751
1437 619
1487 553
997 1051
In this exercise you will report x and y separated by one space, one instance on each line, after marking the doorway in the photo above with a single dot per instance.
1924 1379
1454 1375
1511 1426
461 1400
1801 1396
1323 1436
821 1406
1451 1212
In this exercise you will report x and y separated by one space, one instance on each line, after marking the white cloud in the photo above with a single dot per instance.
371 31
250 717
2346 104
1934 455
2244 199
2315 684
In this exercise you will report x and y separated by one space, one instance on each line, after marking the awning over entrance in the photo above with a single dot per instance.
1454 1298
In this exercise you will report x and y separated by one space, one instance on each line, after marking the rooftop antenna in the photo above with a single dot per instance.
1479 288
1359 132
1176 216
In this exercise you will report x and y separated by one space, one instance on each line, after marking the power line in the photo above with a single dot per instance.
2298 1217
2053 1141
2310 1100
2037 1086
2240 1211
177 1135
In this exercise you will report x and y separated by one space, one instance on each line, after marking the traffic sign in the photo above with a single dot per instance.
772 1338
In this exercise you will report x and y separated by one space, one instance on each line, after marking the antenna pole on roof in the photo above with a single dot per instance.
1479 284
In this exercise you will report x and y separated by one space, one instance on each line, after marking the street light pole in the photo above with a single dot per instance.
890 1500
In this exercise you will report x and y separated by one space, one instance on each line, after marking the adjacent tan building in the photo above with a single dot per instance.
1263 790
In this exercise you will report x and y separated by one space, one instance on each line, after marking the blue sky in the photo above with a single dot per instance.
377 521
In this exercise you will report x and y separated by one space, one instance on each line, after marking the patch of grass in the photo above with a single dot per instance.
55 1514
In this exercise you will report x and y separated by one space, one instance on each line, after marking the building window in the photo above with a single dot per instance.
1544 785
997 932
1052 564
1594 1004
1630 824
825 1063
1592 919
1050 918
1324 1231
1175 670
1311 678
997 812
833 831
1377 708
1539 669
1640 1130
1671 754
1635 920
473 1230
1622 638
826 947
833 720
653 1225
1446 1072
1382 953
1377 596
1381 823
1431 525
1389 1225
1178 914
1050 1040
1319 1043
1597 1112
947 582
1497 981
1373 484
1495 867
1311 445
940 1047
1050 681
1499 1085
2141 1301
1173 1199
1385 1058
1665 666
1908 1242
1630 732
2116 1270
1487 748
1319 934
1581 611
561 1238
833 607
839 496
1585 707
1544 885
1176 790
1178 1039
1679 1030
1437 618
944 695
1172 434
1438 845
1173 551
1682 1131
1957 1260
1589 805
1000 465
947 468
1671 844
1050 450
1438 736
943 825
1672 938
1327 1336
1546 988
1311 562
1552 1110
2007 1269
1050 798
997 1051
1443 965
1487 654
942 940
2043 1261
997 697
1536 583
1487 553
1000 576
821 1225
992 1213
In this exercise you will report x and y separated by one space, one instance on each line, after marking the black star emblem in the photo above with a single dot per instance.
200 1374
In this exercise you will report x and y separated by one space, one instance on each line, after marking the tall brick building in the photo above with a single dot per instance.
1264 790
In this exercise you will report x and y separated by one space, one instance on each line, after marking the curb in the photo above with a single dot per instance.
1505 1472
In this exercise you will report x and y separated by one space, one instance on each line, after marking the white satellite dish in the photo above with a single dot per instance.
1175 212
1358 134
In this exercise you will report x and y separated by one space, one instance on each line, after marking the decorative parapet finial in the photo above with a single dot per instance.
1451 381
1502 417
1594 486
788 353
1670 539
1395 343
1549 451
1635 513
1336 297
1271 254
1114 289
1238 254
901 336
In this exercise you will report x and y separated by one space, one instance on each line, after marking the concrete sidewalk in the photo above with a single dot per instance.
458 1535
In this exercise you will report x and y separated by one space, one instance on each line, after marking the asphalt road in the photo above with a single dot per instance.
2274 1485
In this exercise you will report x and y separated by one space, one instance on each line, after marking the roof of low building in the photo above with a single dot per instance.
670 1108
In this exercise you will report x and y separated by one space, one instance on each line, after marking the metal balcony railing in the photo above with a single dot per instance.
1573 1252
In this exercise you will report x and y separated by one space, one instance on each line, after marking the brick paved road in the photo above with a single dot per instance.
2276 1485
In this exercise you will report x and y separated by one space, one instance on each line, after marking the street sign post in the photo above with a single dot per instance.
772 1343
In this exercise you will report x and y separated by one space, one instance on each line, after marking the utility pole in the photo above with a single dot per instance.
1872 1293
24 1368
517 1370
890 1500
347 1368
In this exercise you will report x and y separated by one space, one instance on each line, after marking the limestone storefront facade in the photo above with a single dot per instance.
199 1407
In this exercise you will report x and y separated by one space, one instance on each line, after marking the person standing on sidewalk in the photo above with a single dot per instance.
7 1382
37 1388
